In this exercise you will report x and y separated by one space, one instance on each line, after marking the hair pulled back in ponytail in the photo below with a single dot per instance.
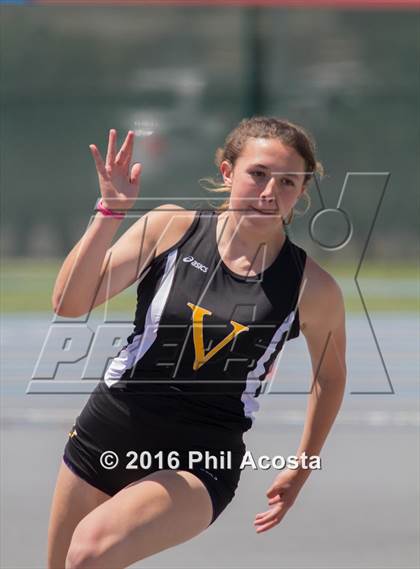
287 132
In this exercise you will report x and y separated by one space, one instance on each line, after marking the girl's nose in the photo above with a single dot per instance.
269 190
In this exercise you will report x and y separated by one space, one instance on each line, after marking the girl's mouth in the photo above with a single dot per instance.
266 212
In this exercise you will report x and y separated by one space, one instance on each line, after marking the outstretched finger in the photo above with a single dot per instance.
267 526
271 513
135 174
275 500
100 166
112 142
268 519
124 155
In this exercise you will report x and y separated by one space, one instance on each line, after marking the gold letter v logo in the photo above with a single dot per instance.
200 357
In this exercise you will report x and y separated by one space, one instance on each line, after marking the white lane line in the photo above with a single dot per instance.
372 418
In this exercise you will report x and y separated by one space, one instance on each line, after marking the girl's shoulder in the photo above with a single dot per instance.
321 293
172 222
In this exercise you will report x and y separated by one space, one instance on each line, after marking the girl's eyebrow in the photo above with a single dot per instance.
260 166
267 168
286 174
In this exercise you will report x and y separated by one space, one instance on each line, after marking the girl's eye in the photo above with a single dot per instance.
261 174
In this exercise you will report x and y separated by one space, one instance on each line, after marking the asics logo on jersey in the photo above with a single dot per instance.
195 263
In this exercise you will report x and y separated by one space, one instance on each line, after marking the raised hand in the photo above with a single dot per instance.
118 184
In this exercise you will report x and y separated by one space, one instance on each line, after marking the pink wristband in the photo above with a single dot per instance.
108 212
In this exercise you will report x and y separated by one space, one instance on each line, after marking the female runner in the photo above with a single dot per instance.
219 292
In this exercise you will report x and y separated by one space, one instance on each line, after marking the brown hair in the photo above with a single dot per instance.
266 127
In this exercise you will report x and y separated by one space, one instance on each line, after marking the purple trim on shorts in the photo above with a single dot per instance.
81 475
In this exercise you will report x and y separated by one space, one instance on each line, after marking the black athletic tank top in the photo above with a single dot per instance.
207 334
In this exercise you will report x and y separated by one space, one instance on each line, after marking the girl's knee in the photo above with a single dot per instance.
80 556
88 549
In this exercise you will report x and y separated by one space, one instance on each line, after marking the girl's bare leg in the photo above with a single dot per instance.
159 511
73 500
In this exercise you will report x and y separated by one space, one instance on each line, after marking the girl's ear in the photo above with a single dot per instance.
226 171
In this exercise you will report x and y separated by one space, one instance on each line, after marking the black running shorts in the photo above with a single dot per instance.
142 434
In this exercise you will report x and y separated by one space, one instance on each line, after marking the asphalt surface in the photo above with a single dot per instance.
361 510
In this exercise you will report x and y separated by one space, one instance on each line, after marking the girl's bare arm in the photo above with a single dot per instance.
95 270
323 325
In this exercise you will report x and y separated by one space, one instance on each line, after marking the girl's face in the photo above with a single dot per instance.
268 177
